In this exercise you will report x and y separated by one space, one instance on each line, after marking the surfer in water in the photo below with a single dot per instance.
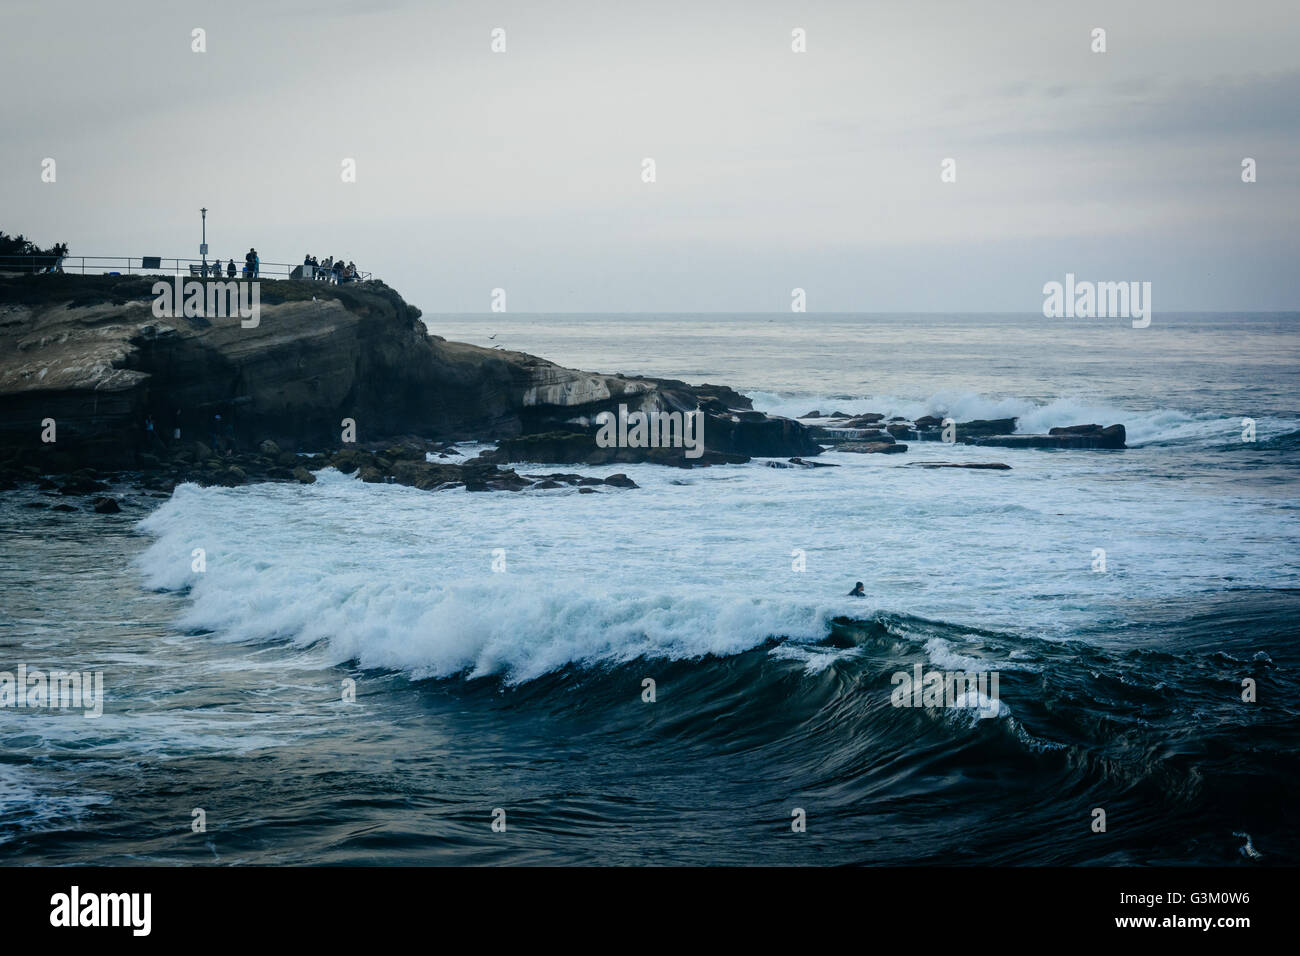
857 591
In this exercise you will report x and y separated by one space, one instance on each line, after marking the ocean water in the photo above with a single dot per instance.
520 689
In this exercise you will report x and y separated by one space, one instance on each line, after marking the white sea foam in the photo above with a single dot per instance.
393 577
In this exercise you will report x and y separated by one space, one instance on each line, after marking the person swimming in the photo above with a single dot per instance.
857 591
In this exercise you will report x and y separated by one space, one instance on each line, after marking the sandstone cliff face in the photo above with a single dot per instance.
88 352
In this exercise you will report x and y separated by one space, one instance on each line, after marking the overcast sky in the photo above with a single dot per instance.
820 170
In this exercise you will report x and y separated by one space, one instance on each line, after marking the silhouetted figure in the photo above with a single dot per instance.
857 591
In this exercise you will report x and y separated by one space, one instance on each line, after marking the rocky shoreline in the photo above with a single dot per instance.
349 377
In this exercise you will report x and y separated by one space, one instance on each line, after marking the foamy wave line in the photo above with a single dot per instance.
513 626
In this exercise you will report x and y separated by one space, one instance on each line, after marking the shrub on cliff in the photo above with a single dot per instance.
15 247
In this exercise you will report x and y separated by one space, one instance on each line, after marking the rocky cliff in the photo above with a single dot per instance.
88 353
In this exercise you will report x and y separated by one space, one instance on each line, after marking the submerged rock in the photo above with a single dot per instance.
82 486
872 448
800 463
989 465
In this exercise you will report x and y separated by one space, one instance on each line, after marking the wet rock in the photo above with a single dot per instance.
269 448
372 475
1073 437
983 427
425 475
579 448
621 481
862 421
800 463
105 506
403 452
82 486
349 460
832 435
63 508
987 465
562 477
872 448
303 476
586 491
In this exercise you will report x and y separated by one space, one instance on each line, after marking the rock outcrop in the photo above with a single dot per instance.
87 354
1073 436
846 431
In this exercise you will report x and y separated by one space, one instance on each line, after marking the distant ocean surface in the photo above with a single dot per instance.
522 689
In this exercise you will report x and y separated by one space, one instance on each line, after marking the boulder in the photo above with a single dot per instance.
105 506
423 475
349 460
303 476
621 481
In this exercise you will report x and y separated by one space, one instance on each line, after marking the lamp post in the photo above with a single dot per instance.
203 249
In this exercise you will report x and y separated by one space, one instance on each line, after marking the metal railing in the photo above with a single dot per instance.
135 265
